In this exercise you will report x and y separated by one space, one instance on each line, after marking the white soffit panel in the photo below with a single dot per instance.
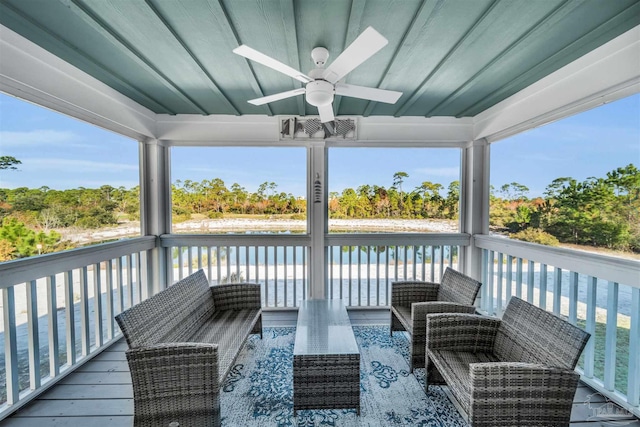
606 74
29 72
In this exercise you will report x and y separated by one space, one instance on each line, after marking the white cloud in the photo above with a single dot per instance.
39 137
450 172
75 166
541 157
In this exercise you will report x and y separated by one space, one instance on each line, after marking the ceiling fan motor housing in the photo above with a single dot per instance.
319 93
319 56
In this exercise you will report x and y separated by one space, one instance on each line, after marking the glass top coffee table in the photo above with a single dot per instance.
326 358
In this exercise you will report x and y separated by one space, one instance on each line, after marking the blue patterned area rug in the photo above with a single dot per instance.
259 389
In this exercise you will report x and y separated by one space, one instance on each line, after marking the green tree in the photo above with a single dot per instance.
20 241
9 162
453 200
586 213
398 179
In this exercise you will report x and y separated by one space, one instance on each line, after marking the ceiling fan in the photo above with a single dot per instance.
321 84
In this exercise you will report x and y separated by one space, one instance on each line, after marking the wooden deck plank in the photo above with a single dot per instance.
111 356
591 411
106 366
77 408
106 421
102 391
634 423
97 378
119 346
584 394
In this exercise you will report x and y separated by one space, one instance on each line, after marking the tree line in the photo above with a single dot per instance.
601 212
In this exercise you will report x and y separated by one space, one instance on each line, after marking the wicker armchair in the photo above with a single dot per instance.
518 371
411 301
183 342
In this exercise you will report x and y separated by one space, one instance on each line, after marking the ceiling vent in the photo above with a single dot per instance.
304 128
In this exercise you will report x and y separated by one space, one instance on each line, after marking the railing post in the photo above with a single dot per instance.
52 313
97 304
573 297
589 350
34 335
611 336
70 318
557 290
84 312
10 345
633 389
543 286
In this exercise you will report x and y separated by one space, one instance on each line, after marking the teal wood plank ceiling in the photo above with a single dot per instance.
448 57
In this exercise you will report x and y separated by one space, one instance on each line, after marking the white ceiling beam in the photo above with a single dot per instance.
431 132
29 72
195 130
606 74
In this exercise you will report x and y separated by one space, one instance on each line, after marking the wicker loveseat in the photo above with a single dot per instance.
182 343
518 371
411 301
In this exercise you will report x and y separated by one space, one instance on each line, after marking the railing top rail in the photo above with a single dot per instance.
173 240
331 239
32 268
400 239
614 269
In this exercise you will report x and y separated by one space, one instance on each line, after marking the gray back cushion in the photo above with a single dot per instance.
532 335
169 316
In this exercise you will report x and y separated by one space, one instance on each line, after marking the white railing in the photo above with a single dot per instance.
279 262
598 293
360 267
51 299
58 312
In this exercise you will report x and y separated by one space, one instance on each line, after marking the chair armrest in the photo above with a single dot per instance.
237 296
175 382
501 391
404 293
163 368
419 310
461 332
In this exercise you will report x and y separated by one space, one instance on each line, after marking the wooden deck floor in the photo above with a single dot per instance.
99 394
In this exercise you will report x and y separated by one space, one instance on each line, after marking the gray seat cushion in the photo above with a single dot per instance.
403 313
454 367
228 329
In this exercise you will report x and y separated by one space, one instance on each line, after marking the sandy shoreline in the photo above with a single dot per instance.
265 224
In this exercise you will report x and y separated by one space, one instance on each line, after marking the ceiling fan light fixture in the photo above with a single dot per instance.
319 93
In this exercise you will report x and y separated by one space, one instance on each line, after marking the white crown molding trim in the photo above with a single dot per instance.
256 130
29 72
606 74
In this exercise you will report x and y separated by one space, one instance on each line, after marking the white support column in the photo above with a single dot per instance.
317 220
474 202
155 208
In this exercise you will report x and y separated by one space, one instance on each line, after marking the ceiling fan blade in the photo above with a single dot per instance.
276 97
254 55
326 113
370 93
362 48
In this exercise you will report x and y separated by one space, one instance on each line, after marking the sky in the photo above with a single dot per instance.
61 153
